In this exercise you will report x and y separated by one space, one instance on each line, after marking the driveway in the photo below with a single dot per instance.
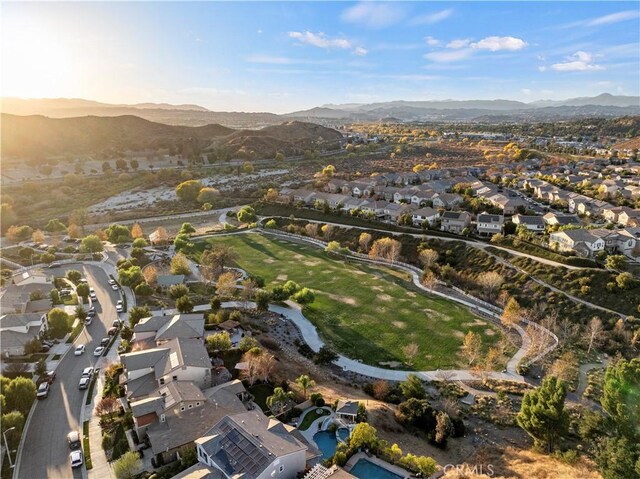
45 453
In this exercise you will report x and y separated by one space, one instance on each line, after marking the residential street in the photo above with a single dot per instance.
45 453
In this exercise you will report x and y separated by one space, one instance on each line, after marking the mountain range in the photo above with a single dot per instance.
604 105
40 136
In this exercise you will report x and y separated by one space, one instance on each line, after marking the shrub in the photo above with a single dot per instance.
319 402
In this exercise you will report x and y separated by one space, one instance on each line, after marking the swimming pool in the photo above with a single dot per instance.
343 434
364 469
327 443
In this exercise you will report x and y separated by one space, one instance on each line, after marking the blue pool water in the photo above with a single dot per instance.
364 469
326 442
343 433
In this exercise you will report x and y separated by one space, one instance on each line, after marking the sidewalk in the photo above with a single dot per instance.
102 469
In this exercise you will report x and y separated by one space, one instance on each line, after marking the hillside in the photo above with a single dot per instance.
39 136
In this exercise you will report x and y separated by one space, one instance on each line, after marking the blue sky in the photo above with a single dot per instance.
285 56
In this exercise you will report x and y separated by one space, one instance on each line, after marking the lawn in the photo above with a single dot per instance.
260 394
310 417
364 312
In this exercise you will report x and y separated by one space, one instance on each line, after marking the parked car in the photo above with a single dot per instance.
79 350
47 342
87 372
104 341
114 287
88 320
50 376
73 438
112 331
43 390
98 351
84 383
119 306
44 348
112 281
75 457
116 323
93 296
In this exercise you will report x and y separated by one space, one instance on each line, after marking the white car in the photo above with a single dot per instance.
98 351
84 383
87 372
79 350
119 306
114 287
93 296
75 457
112 281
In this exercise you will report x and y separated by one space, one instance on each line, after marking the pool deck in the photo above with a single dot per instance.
361 455
313 428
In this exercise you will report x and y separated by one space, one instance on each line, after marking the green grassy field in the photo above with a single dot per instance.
364 312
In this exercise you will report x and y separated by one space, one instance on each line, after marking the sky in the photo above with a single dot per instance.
287 56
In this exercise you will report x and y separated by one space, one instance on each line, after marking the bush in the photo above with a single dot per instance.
107 441
319 402
178 290
340 459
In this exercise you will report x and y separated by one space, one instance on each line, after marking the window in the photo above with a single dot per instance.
162 418
161 381
190 406
175 378
281 468
198 403
182 408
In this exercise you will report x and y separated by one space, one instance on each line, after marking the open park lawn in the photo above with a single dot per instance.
364 312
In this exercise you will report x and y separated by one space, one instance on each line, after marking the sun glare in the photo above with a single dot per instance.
37 62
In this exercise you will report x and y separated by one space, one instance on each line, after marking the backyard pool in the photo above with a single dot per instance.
343 434
364 469
326 442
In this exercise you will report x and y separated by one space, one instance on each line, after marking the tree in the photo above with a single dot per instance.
386 248
121 164
134 164
364 241
444 428
363 435
247 215
20 394
13 419
542 414
136 232
305 383
184 305
218 342
150 274
262 298
511 314
186 229
625 281
490 281
19 233
266 364
325 355
472 347
55 296
180 264
278 401
107 408
247 343
214 260
74 275
247 167
189 190
178 291
593 333
410 352
59 323
118 233
412 387
226 284
208 195
81 313
329 170
127 466
616 262
162 237
140 243
74 231
565 367
248 289
621 395
92 244
82 290
55 226
38 237
304 296
130 276
137 313
279 157
32 346
428 257
182 243
617 458
380 389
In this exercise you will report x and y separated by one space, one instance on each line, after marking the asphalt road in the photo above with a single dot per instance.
46 453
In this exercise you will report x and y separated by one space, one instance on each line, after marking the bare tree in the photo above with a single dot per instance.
328 231
266 365
311 229
380 389
565 367
386 248
364 241
136 231
429 280
248 291
472 347
410 352
490 281
593 334
251 372
511 314
567 330
428 257
150 274
226 284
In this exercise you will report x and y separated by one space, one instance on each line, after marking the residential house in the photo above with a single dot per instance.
157 330
532 223
168 280
361 188
455 221
508 205
35 276
561 220
250 445
347 410
394 211
580 241
351 204
446 200
424 214
16 330
488 225
374 208
627 215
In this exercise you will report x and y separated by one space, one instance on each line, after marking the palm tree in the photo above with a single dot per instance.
305 383
279 400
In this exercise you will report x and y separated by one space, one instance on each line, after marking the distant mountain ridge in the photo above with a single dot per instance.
604 105
37 135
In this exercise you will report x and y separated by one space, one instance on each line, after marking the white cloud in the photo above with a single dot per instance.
495 44
360 51
446 56
526 91
374 15
259 31
431 18
542 68
320 40
432 42
269 60
461 43
614 18
578 62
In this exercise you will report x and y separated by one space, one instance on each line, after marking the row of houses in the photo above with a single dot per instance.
589 242
179 396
